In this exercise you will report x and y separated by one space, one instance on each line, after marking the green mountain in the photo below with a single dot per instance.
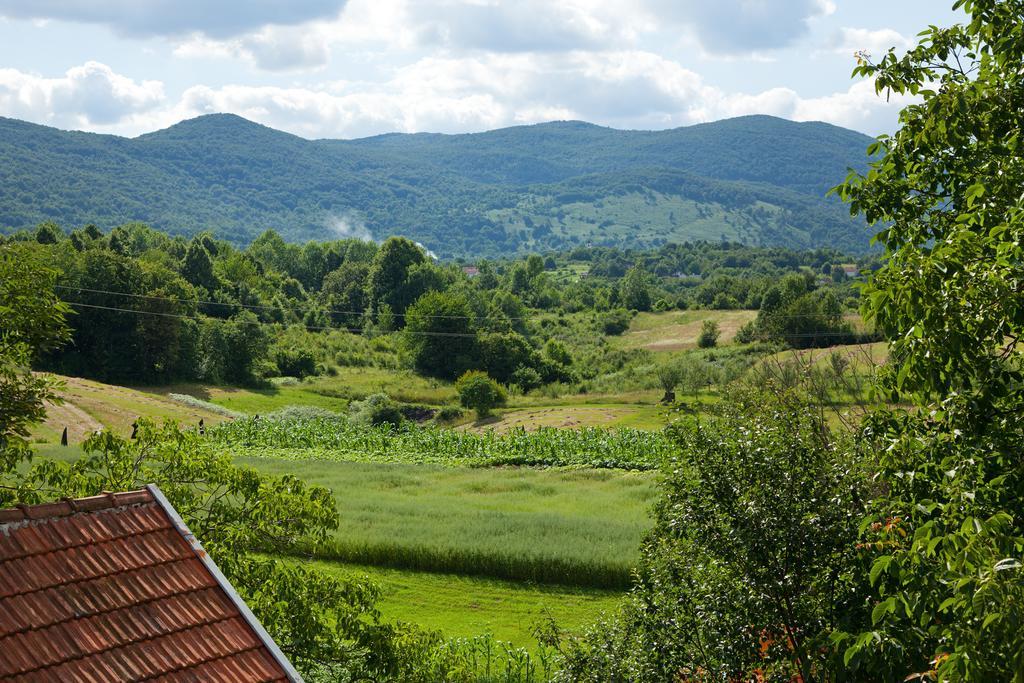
756 179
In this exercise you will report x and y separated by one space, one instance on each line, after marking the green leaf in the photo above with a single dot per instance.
878 566
881 609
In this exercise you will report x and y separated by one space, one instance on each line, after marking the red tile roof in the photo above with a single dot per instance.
114 588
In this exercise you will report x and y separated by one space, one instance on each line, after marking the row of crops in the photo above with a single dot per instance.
326 438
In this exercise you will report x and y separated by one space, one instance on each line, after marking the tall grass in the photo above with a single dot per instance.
577 527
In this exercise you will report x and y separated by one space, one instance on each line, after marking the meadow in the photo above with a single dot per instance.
461 606
478 527
575 527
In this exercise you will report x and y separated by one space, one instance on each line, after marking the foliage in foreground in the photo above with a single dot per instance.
752 562
31 321
343 440
948 536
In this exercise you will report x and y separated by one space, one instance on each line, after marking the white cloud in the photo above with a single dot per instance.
859 107
522 26
742 26
623 89
847 41
272 48
217 18
88 96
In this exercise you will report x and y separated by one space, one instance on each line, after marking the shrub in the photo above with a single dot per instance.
448 414
709 334
615 322
295 362
746 334
377 409
479 392
527 378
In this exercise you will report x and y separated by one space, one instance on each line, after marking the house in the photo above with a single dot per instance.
470 271
115 588
850 270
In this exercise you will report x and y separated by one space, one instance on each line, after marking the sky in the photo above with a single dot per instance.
353 68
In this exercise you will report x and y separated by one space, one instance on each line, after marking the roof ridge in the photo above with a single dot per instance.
65 507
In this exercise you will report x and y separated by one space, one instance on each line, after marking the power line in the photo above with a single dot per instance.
253 322
307 309
359 331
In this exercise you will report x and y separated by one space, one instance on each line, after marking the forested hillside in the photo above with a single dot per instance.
758 180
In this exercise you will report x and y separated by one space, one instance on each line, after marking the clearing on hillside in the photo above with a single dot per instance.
678 330
90 405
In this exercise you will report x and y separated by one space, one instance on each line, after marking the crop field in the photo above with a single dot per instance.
678 330
576 527
339 439
462 606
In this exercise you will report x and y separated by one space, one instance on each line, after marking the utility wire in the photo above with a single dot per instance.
341 312
359 331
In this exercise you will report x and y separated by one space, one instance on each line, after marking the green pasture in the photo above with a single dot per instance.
467 606
332 393
577 527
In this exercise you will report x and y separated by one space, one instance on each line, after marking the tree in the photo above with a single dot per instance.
635 289
709 334
501 354
479 392
197 267
797 313
31 321
751 563
49 233
387 279
439 334
344 293
669 376
946 536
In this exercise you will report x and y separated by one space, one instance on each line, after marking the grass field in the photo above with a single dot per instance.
574 527
572 416
90 405
466 606
678 330
332 393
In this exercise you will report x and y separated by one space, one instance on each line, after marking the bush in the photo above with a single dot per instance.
479 392
615 322
295 362
709 334
527 378
377 409
448 414
746 334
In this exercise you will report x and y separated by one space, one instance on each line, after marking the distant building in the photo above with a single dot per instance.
850 270
470 271
116 588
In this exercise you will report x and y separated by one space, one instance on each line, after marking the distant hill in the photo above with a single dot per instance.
756 179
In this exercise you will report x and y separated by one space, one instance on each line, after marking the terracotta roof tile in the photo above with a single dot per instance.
108 589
